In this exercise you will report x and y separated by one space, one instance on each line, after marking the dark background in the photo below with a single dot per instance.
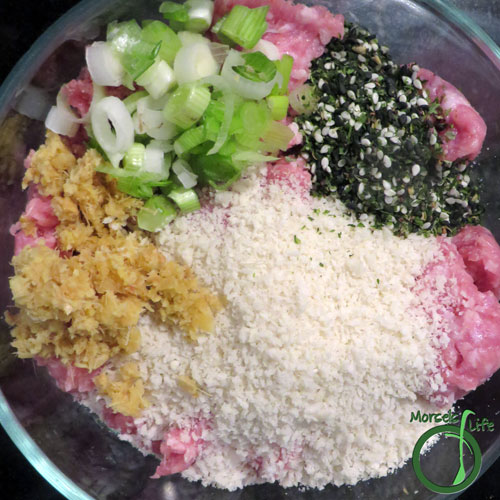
21 22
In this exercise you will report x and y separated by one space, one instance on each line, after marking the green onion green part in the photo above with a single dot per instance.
187 105
186 199
155 32
244 26
134 157
156 214
278 104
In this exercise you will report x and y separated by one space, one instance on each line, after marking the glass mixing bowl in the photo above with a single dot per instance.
75 453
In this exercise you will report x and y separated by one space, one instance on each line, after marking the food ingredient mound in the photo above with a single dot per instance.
82 303
322 346
387 146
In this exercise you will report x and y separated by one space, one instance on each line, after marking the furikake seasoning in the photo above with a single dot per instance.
372 139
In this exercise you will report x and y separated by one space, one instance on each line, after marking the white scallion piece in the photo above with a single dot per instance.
268 49
61 122
158 79
154 160
184 173
200 14
242 86
104 67
113 127
194 62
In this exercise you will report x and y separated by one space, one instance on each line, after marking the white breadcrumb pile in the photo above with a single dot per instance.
319 356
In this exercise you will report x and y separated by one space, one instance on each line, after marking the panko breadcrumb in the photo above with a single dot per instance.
81 302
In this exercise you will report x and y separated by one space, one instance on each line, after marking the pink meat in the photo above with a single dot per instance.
39 210
293 174
69 378
462 118
471 320
118 421
121 92
180 448
78 143
481 255
79 92
297 30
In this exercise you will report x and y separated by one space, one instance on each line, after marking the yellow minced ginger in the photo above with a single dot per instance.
82 302
125 388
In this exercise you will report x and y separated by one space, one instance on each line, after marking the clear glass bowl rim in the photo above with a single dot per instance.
40 51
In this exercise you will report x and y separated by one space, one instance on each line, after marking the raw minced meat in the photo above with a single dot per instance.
467 317
464 122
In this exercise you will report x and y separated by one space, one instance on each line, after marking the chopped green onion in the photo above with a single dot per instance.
194 62
216 170
216 31
245 26
155 162
258 68
244 87
112 127
303 99
157 79
156 214
251 157
155 32
255 118
186 199
134 157
136 54
228 100
142 177
184 173
131 101
278 104
212 119
200 14
173 11
277 137
187 105
284 67
135 188
189 140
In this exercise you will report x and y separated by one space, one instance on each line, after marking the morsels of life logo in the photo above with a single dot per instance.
464 438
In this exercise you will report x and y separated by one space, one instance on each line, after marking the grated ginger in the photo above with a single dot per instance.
82 302
125 388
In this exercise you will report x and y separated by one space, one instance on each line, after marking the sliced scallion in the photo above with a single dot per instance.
134 157
131 101
278 104
194 62
228 100
303 99
277 137
186 199
136 54
156 214
200 14
184 173
155 32
258 67
284 67
189 140
158 79
187 105
245 26
255 118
